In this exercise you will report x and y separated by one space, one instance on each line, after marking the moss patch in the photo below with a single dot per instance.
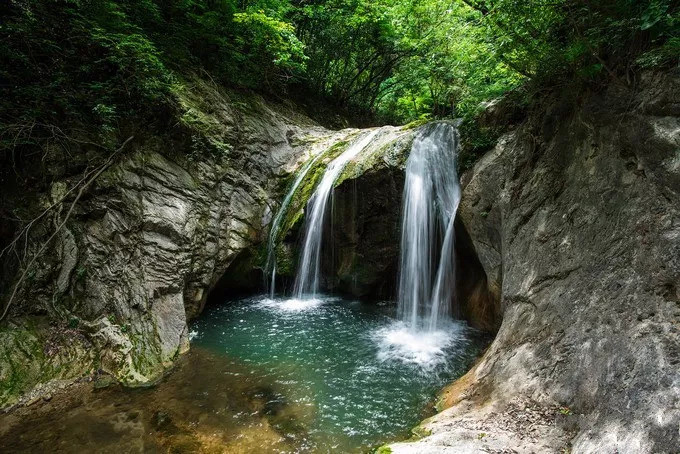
295 211
391 153
419 432
208 112
32 352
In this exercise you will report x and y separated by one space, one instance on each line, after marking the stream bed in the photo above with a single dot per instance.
265 375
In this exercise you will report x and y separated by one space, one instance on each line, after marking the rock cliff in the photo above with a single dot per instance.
149 240
575 218
174 219
568 242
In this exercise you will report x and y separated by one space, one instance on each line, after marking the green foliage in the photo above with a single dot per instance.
411 60
353 45
103 64
67 61
452 70
269 46
478 50
663 56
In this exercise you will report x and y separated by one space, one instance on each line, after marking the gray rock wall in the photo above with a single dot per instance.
153 235
575 217
363 243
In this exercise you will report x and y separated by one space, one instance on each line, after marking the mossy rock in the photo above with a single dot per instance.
419 432
104 381
304 192
32 352
391 153
209 113
286 259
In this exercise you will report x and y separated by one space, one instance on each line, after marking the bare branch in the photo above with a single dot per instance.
42 248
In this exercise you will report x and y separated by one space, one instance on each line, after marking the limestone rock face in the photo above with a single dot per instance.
157 230
575 218
361 235
177 217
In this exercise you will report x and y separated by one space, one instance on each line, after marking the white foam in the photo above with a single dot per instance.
424 348
292 304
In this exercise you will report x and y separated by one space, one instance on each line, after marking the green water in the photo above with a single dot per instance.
262 376
349 376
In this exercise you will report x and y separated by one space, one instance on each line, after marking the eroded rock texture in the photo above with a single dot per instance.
360 248
366 220
575 218
152 236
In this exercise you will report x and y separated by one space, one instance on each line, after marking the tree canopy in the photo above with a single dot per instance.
100 62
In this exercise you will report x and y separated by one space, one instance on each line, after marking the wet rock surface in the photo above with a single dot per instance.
176 218
366 220
360 245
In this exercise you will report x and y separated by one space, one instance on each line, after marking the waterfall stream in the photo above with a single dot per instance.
430 200
307 278
270 266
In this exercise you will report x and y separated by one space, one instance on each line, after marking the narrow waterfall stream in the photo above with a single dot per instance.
270 265
307 278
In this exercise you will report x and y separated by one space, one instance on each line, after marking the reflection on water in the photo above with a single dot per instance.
262 376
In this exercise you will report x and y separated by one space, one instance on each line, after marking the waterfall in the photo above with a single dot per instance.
270 266
430 200
307 278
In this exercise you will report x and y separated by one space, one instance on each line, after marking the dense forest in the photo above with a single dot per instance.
99 63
